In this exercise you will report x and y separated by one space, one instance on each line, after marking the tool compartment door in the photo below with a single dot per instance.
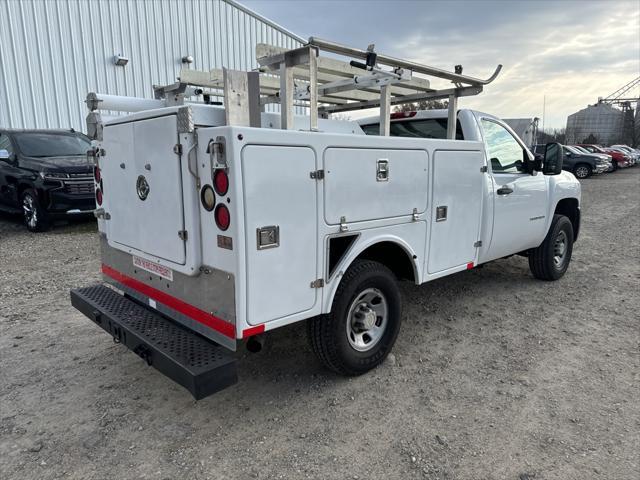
458 188
279 192
357 187
140 156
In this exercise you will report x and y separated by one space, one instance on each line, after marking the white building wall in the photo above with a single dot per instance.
52 53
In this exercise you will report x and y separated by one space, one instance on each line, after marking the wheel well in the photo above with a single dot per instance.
392 256
569 208
21 188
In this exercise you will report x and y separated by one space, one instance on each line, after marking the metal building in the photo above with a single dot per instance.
602 120
525 128
52 53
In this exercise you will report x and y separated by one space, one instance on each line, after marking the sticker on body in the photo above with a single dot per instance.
151 267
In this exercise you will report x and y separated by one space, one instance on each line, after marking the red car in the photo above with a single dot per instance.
620 160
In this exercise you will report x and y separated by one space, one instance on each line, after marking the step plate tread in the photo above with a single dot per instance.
194 362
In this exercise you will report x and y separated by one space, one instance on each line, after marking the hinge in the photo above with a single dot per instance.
317 174
319 283
183 235
484 169
343 224
415 216
177 149
478 244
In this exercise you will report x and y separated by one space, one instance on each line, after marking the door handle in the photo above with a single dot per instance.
504 190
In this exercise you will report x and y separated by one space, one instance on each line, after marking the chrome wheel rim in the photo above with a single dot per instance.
582 172
367 319
560 249
30 211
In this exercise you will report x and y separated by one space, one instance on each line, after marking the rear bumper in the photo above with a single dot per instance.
198 364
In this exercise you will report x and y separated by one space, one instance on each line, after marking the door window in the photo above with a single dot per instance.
505 153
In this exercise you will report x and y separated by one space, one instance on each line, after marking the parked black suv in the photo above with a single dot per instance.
45 174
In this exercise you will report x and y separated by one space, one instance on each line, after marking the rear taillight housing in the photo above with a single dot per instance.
221 182
97 174
99 197
223 217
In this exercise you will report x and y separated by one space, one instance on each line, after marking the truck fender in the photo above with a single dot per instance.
357 251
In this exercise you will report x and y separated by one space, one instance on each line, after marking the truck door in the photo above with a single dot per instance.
519 198
281 231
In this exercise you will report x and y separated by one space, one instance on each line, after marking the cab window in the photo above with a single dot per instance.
505 153
426 128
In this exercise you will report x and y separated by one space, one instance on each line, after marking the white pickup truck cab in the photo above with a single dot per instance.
213 234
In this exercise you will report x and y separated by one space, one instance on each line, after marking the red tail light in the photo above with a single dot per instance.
223 217
97 174
221 182
98 196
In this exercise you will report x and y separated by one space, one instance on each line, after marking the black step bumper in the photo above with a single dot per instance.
198 364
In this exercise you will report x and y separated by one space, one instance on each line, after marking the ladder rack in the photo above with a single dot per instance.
325 85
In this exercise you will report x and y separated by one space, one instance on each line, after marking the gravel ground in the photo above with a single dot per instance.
495 376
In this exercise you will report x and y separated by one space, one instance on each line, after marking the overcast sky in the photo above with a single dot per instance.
571 51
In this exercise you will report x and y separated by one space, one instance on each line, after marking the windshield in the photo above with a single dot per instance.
572 149
581 149
39 144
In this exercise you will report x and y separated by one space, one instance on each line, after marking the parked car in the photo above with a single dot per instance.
582 165
632 152
618 159
45 175
627 157
604 156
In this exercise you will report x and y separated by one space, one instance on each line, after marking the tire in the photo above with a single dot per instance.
550 261
582 170
364 321
615 166
34 216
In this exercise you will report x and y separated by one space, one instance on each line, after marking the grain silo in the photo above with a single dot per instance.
603 121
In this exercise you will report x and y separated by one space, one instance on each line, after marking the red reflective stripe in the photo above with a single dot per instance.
211 321
248 332
469 265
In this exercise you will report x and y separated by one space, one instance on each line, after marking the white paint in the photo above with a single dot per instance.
270 184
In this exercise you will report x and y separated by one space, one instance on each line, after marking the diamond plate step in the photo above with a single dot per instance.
198 364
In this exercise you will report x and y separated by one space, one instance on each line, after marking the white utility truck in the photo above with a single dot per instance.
219 223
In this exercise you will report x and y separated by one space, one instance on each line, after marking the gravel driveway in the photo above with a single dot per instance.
495 376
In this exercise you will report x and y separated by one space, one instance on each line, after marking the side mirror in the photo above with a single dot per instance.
4 155
531 165
552 164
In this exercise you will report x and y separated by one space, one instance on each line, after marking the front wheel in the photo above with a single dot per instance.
364 321
34 216
551 259
582 170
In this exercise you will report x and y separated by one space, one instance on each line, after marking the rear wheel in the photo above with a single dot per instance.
34 216
582 170
551 259
364 321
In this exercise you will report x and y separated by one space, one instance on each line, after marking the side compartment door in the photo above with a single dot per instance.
456 209
280 231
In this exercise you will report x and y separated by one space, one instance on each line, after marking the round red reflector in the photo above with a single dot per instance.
97 174
223 218
98 196
221 182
